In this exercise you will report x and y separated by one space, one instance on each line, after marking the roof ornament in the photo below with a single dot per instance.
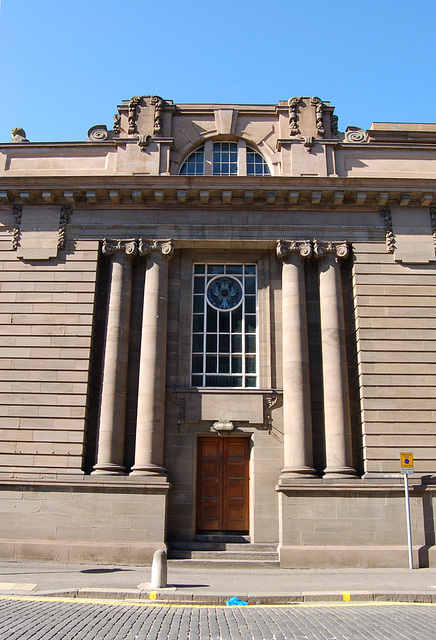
18 135
354 134
98 133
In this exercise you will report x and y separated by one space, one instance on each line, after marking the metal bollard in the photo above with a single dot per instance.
159 570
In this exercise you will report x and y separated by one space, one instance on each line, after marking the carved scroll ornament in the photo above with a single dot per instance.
132 113
17 212
165 247
157 102
119 246
287 247
390 238
293 116
433 225
340 250
317 103
66 211
117 123
354 134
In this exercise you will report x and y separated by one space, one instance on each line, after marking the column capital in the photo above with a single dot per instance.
288 247
164 247
110 247
339 250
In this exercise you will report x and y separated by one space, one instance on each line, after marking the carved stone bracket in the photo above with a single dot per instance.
293 116
286 247
114 246
269 402
317 103
143 141
341 250
17 212
66 211
390 238
132 113
157 102
165 247
308 142
433 225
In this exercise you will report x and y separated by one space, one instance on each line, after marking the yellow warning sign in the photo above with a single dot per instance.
406 460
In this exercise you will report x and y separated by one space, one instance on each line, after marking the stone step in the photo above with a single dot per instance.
229 538
179 554
194 545
237 565
210 553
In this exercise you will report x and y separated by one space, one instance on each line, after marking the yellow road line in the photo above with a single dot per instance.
154 603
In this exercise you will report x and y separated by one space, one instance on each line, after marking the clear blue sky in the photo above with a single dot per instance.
66 64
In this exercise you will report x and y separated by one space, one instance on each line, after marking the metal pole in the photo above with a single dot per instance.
409 529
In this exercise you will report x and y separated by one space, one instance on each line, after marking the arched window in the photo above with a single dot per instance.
225 159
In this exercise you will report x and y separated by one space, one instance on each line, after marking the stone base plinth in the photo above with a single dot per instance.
86 521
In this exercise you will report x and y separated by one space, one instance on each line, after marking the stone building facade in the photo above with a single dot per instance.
218 320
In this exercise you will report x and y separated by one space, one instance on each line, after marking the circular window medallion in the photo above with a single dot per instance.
224 293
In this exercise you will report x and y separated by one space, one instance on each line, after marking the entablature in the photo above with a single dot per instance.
201 191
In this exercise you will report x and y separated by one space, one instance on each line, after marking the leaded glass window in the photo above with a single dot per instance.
224 326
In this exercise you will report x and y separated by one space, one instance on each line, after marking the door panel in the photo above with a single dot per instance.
222 484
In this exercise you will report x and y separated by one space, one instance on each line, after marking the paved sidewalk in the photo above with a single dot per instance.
216 586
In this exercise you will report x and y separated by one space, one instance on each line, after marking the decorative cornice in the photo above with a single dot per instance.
317 103
340 250
175 191
129 247
66 211
132 113
288 247
165 247
17 212
385 212
293 116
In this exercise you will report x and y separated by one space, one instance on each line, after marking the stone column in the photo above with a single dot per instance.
111 431
152 365
298 455
337 419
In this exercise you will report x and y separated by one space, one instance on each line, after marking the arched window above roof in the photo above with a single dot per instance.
225 159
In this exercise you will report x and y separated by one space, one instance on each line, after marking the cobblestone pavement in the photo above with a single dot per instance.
32 619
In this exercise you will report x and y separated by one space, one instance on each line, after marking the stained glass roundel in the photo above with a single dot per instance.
224 293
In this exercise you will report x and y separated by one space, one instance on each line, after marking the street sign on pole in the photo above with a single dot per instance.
406 463
407 469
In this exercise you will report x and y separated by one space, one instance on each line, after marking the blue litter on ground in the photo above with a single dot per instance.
235 602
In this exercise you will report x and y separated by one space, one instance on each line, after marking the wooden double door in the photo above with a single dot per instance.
222 484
